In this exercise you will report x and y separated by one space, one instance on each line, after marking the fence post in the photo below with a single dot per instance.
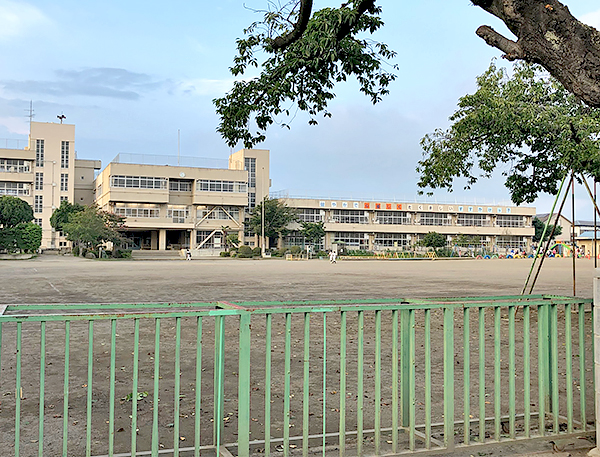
404 368
244 387
218 382
596 452
449 378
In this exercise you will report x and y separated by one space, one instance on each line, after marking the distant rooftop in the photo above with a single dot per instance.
171 160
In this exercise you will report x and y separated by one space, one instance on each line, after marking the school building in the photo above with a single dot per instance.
167 205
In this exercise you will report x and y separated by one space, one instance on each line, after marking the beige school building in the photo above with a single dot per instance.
170 204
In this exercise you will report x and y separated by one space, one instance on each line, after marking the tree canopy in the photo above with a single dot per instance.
313 232
538 225
526 124
277 217
61 215
17 232
434 240
307 52
92 226
14 211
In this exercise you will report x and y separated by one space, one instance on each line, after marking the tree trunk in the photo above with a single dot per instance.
548 34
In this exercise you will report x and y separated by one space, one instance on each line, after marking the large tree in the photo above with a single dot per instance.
14 211
308 52
61 215
92 226
526 124
17 232
277 216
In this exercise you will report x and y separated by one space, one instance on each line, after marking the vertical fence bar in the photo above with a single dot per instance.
305 387
111 403
66 388
135 380
395 404
90 378
42 388
412 375
582 392
449 378
481 375
542 354
404 362
155 433
360 393
18 393
527 369
176 394
497 386
466 378
427 347
198 388
244 386
512 372
324 381
268 336
377 382
343 341
554 364
219 397
287 385
569 366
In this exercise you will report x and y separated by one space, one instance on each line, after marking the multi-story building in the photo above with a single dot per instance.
46 172
173 206
382 225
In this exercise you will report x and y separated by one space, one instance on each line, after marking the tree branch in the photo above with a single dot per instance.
282 42
511 49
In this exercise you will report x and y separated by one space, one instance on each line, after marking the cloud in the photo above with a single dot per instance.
19 18
203 87
94 82
592 18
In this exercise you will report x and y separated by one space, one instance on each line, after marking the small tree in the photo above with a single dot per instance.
277 217
28 236
92 226
17 232
60 216
434 240
313 232
538 225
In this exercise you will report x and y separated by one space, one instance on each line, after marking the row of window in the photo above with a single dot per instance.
15 166
16 189
215 185
64 153
177 185
138 182
178 213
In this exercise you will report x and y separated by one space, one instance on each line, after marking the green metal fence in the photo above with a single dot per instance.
356 377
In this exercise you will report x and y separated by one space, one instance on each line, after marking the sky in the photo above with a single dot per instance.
131 75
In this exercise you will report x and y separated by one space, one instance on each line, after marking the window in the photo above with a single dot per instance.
392 218
205 185
64 198
39 181
251 199
178 214
250 166
434 219
38 204
204 240
295 238
64 182
473 220
39 153
389 240
510 221
16 189
37 222
15 166
349 216
180 185
138 182
310 215
64 154
352 240
511 242
136 210
223 213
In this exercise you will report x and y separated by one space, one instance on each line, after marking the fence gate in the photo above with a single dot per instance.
367 377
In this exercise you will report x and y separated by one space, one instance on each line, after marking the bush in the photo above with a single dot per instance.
224 254
321 254
359 253
256 252
295 250
244 252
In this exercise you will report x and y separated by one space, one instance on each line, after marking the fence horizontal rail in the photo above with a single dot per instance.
365 377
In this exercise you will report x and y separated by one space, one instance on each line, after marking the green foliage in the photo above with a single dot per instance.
256 252
244 252
28 236
93 226
538 225
295 250
224 254
526 124
61 215
434 240
305 72
359 253
313 232
277 217
14 211
232 239
467 240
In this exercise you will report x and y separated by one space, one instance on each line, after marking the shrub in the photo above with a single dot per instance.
295 250
256 252
321 254
224 254
244 252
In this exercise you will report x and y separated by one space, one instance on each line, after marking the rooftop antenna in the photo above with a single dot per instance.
62 117
30 113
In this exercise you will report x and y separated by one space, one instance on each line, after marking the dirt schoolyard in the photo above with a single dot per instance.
53 279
